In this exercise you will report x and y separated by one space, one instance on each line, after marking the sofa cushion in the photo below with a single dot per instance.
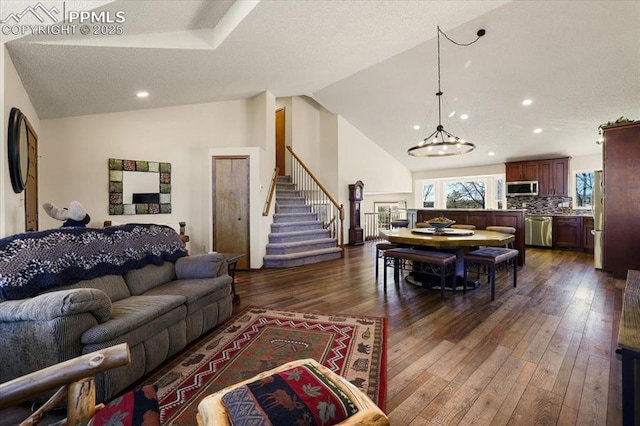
199 266
113 285
198 293
130 314
148 277
49 306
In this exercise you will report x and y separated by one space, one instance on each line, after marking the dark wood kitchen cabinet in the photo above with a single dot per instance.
587 236
521 171
621 157
553 177
567 232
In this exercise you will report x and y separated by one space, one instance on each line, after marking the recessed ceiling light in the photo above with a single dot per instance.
527 102
464 116
452 114
492 153
538 130
416 127
142 94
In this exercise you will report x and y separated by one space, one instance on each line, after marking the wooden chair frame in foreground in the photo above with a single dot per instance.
76 382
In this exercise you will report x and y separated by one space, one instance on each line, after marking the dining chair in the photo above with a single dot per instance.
380 249
462 226
505 230
487 260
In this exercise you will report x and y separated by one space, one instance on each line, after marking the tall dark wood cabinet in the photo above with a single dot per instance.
356 233
621 162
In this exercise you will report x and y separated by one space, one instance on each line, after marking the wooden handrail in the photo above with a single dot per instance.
317 182
307 183
272 189
22 388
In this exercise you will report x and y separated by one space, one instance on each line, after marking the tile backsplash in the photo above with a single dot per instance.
544 205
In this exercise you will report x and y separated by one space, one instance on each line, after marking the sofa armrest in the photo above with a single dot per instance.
48 306
209 265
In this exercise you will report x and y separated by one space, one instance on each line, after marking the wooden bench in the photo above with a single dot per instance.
488 259
436 263
629 344
380 249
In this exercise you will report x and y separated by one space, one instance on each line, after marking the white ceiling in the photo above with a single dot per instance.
372 62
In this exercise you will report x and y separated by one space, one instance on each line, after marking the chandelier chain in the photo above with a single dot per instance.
454 145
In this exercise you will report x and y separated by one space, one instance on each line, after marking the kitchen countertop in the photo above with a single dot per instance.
470 210
572 214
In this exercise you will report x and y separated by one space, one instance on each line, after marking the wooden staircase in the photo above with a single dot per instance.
297 236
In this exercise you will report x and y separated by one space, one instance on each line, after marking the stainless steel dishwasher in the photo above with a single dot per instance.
538 230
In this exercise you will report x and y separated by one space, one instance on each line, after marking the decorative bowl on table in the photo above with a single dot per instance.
440 223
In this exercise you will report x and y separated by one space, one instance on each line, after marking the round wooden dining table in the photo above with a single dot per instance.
461 238
458 241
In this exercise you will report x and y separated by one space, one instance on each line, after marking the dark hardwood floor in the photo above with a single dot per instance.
542 353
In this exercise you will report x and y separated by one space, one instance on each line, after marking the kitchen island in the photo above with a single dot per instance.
480 218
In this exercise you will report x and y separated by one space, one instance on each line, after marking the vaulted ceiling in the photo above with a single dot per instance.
374 62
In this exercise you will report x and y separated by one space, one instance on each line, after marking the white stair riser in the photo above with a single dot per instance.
293 209
301 246
294 217
292 237
287 263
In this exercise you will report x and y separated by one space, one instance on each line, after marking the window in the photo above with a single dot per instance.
471 192
387 212
466 195
500 193
429 195
584 190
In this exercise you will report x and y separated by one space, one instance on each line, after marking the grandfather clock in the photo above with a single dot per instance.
356 234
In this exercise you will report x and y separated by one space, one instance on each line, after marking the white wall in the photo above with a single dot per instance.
12 219
361 159
75 153
585 162
263 109
490 169
314 139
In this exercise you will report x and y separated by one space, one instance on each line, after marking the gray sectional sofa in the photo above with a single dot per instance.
156 307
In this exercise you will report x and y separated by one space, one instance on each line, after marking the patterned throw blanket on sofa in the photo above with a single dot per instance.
33 261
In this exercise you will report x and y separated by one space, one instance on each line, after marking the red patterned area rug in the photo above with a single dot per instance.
258 339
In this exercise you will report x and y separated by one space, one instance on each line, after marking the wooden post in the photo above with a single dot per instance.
81 401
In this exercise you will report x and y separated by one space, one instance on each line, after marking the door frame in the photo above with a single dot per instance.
212 219
281 135
256 247
31 186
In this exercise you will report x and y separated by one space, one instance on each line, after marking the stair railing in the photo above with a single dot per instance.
318 198
381 220
272 188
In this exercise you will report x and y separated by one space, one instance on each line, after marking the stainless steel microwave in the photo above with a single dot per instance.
522 188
